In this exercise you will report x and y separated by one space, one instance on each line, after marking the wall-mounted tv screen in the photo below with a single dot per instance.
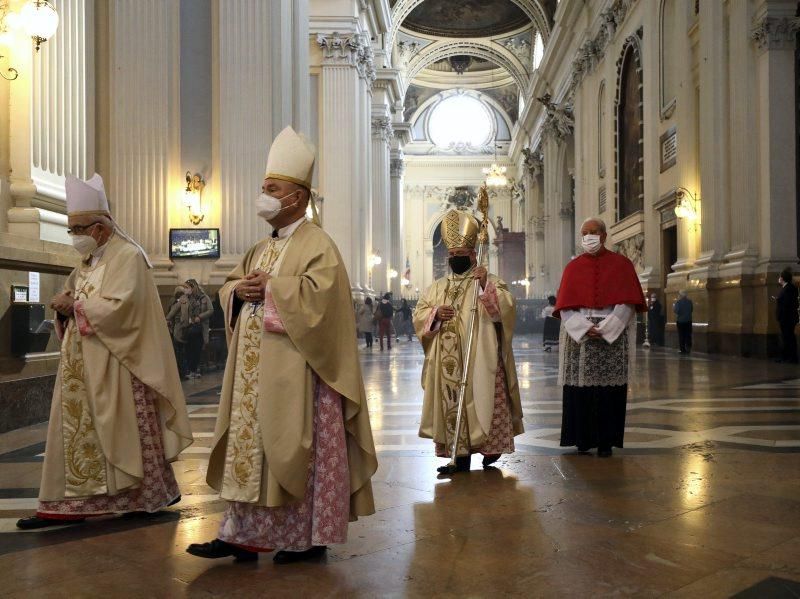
194 243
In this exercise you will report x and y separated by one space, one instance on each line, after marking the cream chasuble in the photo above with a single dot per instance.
263 436
444 362
93 445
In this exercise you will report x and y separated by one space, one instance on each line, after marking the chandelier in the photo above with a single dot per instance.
495 175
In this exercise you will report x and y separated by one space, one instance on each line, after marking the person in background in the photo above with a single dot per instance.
384 313
786 312
655 320
364 319
406 325
196 335
683 308
552 326
177 323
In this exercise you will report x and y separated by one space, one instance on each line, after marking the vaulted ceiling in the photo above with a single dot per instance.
484 45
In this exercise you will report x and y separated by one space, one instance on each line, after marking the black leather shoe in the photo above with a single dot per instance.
290 557
218 548
604 453
462 465
35 522
488 460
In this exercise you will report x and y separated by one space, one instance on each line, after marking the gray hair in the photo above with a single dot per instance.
682 293
595 219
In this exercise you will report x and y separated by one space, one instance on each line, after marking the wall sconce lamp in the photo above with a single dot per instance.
405 282
191 197
375 259
686 207
39 19
393 273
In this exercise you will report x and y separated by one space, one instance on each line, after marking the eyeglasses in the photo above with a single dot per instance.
80 229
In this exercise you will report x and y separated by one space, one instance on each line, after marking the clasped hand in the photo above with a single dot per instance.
253 286
594 333
63 303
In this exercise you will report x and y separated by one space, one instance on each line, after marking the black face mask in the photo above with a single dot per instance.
460 264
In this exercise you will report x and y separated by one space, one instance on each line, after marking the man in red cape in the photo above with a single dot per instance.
597 302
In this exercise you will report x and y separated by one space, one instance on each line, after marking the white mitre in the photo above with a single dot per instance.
291 158
89 197
86 197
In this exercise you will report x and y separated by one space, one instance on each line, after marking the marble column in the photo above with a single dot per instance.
714 135
774 31
396 218
382 222
144 114
344 151
260 85
743 130
367 76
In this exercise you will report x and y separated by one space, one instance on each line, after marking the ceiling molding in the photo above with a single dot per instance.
489 50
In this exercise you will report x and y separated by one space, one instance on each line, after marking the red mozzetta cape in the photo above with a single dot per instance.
598 281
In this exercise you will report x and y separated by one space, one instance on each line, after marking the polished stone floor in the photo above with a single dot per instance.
703 502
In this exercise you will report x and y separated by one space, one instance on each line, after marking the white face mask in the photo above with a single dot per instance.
591 243
268 207
85 244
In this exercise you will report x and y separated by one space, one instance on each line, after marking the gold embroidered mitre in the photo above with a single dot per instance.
459 230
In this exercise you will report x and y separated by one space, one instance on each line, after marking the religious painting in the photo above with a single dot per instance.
466 18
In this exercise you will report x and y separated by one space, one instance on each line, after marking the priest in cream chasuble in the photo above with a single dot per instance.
492 410
118 415
292 450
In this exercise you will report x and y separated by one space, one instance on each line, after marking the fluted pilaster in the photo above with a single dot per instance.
381 219
397 217
144 118
62 106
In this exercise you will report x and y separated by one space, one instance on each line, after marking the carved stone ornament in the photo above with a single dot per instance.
592 51
338 49
382 129
521 48
397 166
462 198
406 51
365 61
633 249
533 162
775 33
560 120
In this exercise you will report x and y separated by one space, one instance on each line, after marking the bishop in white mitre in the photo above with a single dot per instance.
292 452
118 415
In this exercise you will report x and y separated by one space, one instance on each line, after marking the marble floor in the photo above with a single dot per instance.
704 501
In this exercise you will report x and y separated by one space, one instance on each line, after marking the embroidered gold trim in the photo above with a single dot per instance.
244 457
84 461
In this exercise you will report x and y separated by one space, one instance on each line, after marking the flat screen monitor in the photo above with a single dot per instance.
194 243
